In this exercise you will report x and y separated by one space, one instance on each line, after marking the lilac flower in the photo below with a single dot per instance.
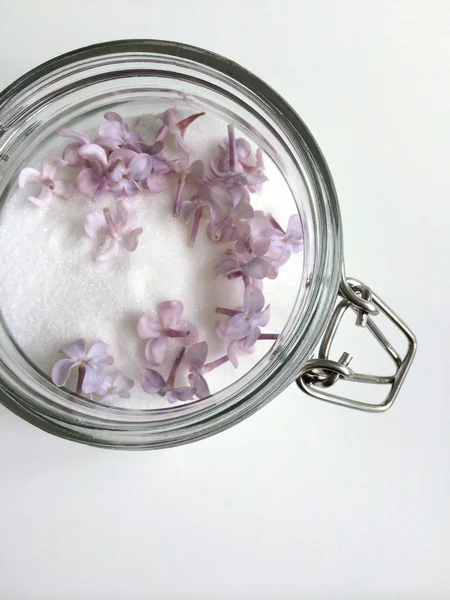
100 225
233 154
236 185
70 153
114 386
234 346
176 128
153 383
248 260
282 243
235 227
167 325
126 169
193 174
160 166
91 365
233 170
91 180
196 358
50 186
115 134
246 325
256 169
210 201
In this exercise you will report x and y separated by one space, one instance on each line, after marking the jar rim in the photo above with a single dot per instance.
218 420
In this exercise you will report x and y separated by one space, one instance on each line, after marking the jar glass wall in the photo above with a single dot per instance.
130 76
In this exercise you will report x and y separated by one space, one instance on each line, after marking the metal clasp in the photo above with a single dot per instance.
321 373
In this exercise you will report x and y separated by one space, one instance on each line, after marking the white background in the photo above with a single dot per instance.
303 500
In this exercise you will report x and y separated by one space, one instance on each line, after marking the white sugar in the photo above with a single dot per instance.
52 292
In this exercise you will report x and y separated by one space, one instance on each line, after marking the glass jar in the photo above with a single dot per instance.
98 78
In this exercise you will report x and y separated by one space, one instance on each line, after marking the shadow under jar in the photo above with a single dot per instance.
136 75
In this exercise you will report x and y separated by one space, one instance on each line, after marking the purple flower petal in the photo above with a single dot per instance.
104 388
192 334
159 165
72 157
197 170
294 228
140 166
264 317
152 186
225 267
122 154
107 251
88 181
187 210
148 328
95 153
221 331
216 213
253 300
256 268
156 350
219 194
181 143
28 175
76 351
98 354
256 178
43 199
95 224
118 172
196 356
61 371
107 143
49 166
122 385
252 336
76 135
243 210
232 353
170 312
126 216
113 116
183 394
239 194
152 382
130 240
241 232
238 327
112 130
201 387
93 378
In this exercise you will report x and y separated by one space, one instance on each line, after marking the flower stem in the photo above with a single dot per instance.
234 275
195 226
182 125
175 333
232 148
275 224
268 336
174 369
81 374
177 202
214 364
227 311
246 279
